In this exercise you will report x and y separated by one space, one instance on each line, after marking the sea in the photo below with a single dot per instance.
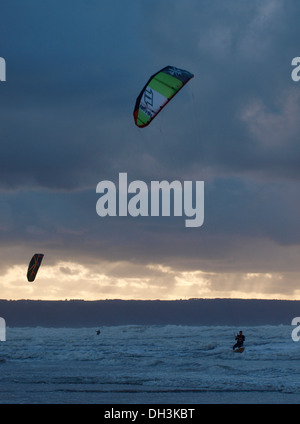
149 365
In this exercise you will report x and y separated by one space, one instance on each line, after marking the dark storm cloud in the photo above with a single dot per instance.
69 98
241 57
62 107
236 213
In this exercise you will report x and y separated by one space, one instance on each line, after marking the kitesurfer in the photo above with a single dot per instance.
98 332
240 338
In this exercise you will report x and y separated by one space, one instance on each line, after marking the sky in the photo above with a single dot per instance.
74 69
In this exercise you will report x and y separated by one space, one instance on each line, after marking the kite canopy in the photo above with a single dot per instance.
158 91
34 266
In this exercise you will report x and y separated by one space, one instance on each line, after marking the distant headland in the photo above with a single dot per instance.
82 313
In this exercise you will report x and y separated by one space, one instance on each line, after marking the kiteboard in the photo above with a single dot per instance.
239 350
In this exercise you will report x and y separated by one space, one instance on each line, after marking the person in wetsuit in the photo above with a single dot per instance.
240 338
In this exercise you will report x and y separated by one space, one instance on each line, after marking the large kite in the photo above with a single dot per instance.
158 91
34 266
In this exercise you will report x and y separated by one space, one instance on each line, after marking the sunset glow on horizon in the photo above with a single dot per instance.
228 144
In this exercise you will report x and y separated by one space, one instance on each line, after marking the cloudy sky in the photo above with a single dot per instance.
73 71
